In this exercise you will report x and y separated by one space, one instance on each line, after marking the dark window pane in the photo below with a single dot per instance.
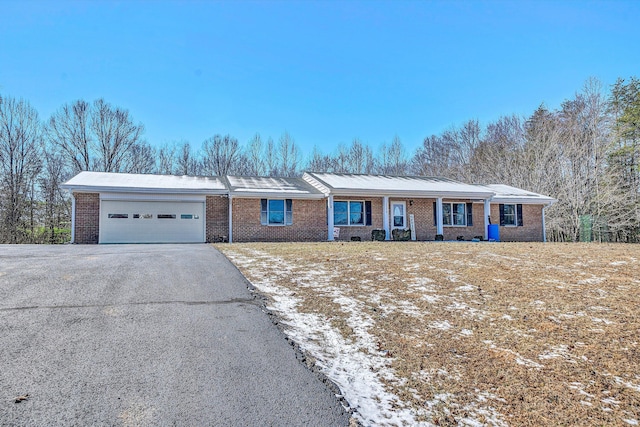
398 221
118 216
446 213
340 207
276 217
166 216
340 218
186 216
276 205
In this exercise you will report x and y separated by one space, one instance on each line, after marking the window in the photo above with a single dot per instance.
276 212
351 213
186 216
511 215
455 214
118 216
166 216
143 216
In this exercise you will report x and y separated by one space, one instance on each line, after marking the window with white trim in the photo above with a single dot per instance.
509 214
348 212
276 211
455 214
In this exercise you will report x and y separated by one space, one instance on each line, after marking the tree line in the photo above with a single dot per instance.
586 154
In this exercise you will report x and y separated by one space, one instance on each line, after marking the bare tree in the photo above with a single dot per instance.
166 159
141 158
393 159
115 135
256 164
69 130
319 162
288 156
220 155
186 163
271 158
20 163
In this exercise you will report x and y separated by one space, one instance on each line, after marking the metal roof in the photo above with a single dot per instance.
143 183
380 185
246 186
507 194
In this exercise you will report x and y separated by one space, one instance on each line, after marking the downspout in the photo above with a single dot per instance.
230 218
73 217
439 222
330 223
544 227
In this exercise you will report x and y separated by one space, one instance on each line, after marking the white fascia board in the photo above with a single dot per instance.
264 194
146 197
524 201
142 190
316 183
411 194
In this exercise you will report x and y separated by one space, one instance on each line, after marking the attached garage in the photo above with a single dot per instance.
137 208
153 221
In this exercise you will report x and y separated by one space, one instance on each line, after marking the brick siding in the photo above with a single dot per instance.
309 222
217 217
531 231
362 231
87 222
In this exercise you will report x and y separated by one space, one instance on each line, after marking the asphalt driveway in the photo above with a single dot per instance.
145 335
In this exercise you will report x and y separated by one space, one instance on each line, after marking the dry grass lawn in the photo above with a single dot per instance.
522 334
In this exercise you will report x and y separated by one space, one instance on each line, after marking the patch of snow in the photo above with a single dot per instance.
442 325
358 375
618 263
506 317
466 332
598 320
594 280
430 298
631 421
466 288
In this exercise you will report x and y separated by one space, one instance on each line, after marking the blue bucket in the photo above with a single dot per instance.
494 232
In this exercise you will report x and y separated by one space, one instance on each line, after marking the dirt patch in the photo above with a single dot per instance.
463 333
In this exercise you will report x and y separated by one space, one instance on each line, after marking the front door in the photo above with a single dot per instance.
398 215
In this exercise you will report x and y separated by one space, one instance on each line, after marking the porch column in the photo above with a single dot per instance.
385 218
487 212
73 217
230 219
439 225
330 223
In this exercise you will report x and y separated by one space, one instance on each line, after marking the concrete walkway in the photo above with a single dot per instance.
145 335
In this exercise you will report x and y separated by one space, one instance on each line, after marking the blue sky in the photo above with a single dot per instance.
326 72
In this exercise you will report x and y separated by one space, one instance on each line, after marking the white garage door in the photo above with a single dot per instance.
151 222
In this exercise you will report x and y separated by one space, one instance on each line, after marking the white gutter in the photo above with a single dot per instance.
73 217
230 219
439 218
544 227
487 213
275 195
172 190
